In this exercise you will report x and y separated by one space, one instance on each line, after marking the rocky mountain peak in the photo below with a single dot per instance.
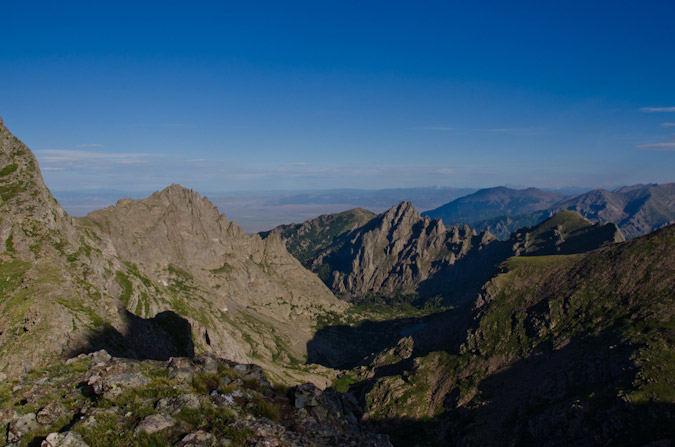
404 211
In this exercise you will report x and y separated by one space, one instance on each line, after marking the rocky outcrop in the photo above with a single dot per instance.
49 300
245 297
213 402
396 252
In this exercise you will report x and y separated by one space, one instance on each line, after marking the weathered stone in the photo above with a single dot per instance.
209 364
100 356
198 439
67 439
155 423
20 426
305 395
113 385
181 369
173 405
51 413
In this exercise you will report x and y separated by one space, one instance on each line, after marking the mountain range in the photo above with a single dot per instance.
636 209
158 321
401 252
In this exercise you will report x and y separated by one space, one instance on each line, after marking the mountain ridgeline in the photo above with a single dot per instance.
401 252
637 210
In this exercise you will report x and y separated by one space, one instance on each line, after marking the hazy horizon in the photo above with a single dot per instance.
257 211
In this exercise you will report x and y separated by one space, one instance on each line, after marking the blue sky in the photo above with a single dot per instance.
227 96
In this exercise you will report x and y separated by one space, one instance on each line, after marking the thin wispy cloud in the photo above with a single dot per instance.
667 124
436 128
197 160
445 171
659 147
90 145
67 158
657 109
51 168
72 155
513 130
157 126
299 164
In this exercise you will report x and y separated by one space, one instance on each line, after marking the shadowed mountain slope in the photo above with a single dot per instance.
563 350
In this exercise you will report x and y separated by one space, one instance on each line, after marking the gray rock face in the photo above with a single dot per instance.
396 252
239 289
174 404
400 252
198 439
20 426
51 413
154 423
67 439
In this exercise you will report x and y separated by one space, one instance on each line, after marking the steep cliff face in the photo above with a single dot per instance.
396 251
128 277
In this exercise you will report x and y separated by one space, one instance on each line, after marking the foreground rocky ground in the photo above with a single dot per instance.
97 400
